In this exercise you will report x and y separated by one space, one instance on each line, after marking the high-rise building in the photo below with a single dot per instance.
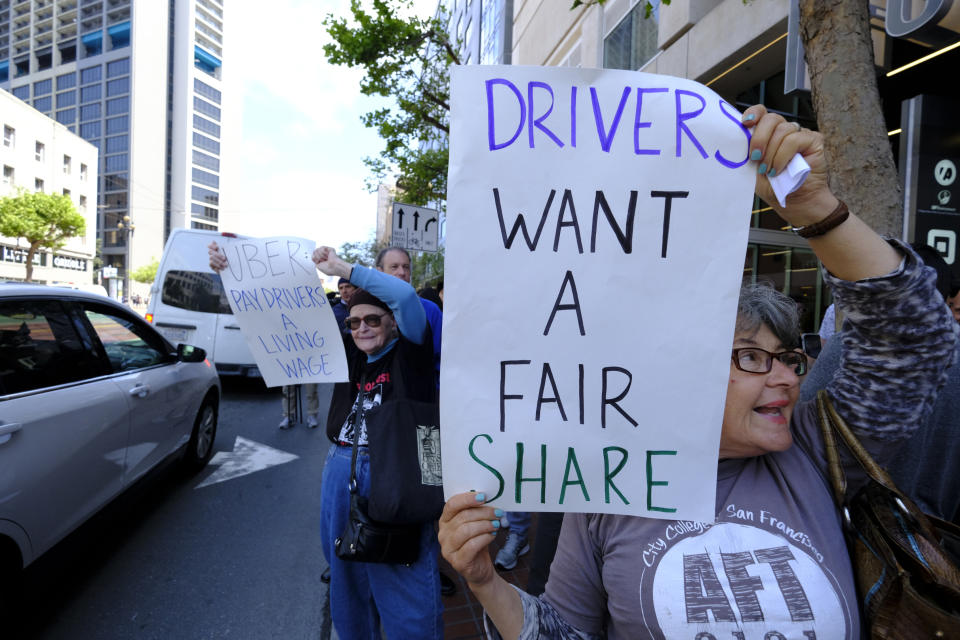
142 81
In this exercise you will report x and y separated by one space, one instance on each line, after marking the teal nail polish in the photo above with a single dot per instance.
772 172
498 513
756 154
481 497
749 117
762 169
495 523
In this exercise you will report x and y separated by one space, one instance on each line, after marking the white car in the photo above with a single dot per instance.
91 399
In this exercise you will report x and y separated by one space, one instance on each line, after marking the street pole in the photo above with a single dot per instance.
127 227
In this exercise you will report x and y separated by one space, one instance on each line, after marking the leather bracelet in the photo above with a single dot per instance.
837 217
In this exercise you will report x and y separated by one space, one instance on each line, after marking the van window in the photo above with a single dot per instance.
195 291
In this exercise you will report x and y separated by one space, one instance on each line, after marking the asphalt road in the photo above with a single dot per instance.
236 559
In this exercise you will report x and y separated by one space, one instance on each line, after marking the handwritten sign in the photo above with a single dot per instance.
595 251
283 311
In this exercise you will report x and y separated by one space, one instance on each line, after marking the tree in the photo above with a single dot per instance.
426 267
363 252
147 273
406 60
843 83
44 220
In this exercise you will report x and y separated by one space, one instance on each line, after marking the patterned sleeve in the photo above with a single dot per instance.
541 622
898 340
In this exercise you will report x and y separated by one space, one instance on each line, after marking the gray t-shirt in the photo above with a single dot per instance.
774 565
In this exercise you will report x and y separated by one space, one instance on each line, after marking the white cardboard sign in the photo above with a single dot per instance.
283 311
595 250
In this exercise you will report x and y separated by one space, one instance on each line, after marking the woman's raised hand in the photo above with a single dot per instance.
218 261
774 141
466 530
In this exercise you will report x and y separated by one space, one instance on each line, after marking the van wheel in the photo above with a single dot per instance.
200 448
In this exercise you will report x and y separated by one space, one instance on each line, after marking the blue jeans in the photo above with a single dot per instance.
519 522
406 600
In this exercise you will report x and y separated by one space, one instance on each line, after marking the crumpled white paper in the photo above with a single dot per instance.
790 179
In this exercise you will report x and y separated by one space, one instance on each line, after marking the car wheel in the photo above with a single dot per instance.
200 448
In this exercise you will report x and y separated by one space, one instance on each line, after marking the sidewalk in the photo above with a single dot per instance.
462 614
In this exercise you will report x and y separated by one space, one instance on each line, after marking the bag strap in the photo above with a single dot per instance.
357 418
838 480
829 415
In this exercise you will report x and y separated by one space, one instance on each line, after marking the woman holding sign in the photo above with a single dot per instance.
389 352
774 564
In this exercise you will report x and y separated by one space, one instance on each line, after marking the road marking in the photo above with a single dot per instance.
247 457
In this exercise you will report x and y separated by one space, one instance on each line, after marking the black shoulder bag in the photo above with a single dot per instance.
365 539
406 483
908 586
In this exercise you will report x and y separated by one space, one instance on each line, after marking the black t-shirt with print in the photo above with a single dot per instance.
414 362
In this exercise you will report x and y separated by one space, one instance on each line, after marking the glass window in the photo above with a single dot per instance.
118 86
21 92
66 99
43 87
206 143
119 124
205 161
117 106
206 91
90 75
205 195
206 126
118 68
37 184
90 112
43 104
67 165
206 212
633 42
90 94
195 291
66 81
9 176
116 182
67 116
206 108
205 177
41 347
117 144
40 152
116 163
128 345
9 136
200 225
90 130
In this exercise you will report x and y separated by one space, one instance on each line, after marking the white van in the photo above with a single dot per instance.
188 304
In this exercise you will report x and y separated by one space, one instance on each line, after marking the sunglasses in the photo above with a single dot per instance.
373 321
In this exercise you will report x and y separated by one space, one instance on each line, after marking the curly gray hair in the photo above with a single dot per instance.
761 304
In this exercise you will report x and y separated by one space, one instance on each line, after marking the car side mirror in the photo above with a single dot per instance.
190 353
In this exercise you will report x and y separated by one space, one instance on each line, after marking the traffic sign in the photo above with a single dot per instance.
415 228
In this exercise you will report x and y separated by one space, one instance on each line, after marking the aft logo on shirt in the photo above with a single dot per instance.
733 581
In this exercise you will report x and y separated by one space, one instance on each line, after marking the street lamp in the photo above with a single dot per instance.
127 227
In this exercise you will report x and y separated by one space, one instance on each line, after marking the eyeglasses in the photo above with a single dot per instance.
756 360
373 321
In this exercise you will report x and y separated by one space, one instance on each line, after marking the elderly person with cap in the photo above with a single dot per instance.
773 563
388 337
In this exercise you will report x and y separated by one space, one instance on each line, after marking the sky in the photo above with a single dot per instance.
298 167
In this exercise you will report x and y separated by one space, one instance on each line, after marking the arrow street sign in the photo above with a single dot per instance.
247 457
415 228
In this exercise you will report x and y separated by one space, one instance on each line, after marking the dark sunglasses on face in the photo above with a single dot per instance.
373 321
756 360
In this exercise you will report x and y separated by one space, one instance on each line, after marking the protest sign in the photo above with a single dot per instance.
597 230
283 311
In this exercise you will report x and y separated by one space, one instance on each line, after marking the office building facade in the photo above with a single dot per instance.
141 80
